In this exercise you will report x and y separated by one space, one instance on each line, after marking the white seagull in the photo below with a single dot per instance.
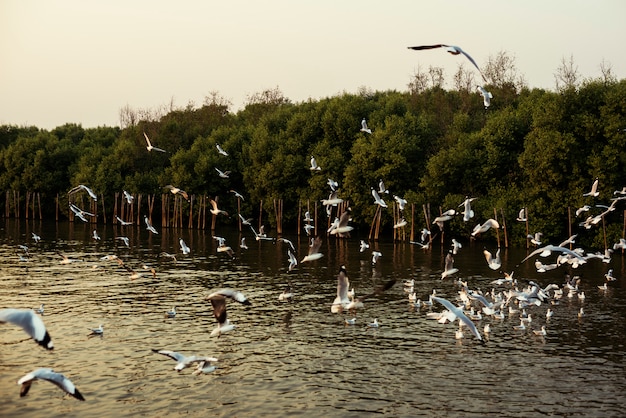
449 268
97 331
218 301
488 224
122 222
183 246
52 377
220 150
493 262
293 261
364 127
222 174
454 50
149 226
243 245
215 210
377 199
468 213
458 313
314 251
363 246
95 235
594 189
183 361
28 320
375 256
129 197
205 366
521 216
487 96
314 166
237 194
149 146
85 188
175 190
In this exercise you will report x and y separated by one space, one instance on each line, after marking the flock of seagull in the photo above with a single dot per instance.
469 307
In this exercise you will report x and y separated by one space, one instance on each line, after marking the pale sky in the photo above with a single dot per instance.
80 61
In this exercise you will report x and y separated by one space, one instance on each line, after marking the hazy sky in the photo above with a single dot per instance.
80 61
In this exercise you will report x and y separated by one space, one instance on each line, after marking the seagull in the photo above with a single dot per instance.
220 150
288 242
175 190
204 366
41 309
286 295
620 245
122 222
333 184
444 217
293 261
542 332
342 226
488 224
468 213
149 146
375 256
342 299
244 221
80 213
215 211
333 199
314 166
129 197
456 246
222 174
364 127
458 313
314 249
548 249
223 248
149 226
351 321
36 237
400 224
29 322
85 188
183 246
487 96
95 235
218 301
401 202
594 189
381 187
182 361
243 245
377 199
374 324
52 377
167 255
454 50
125 240
97 331
172 313
535 239
494 263
307 217
582 209
521 216
363 246
449 268
237 194
609 276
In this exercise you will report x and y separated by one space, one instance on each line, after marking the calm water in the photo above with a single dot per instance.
289 359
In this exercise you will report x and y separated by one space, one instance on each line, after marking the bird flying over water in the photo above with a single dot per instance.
314 251
218 301
175 190
52 377
30 322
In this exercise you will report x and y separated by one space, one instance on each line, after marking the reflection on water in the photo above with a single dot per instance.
296 358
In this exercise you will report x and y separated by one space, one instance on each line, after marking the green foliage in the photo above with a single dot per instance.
532 148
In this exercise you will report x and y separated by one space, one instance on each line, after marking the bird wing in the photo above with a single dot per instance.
172 354
30 322
315 246
422 47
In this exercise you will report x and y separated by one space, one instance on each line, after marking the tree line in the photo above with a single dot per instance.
530 148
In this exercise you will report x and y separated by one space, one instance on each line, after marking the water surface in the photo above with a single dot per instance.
290 359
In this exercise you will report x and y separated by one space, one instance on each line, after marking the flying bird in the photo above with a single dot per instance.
183 246
85 188
149 226
487 96
215 210
28 320
452 49
175 190
52 377
149 146
448 268
594 189
182 361
488 224
218 301
220 150
458 313
314 166
129 197
314 251
377 199
364 127
493 262
222 174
